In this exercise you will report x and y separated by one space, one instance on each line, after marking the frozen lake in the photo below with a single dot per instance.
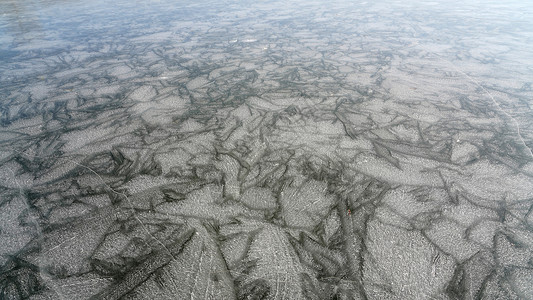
266 149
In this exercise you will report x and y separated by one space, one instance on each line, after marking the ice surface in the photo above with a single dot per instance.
266 150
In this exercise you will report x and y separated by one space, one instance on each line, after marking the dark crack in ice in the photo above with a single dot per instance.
266 150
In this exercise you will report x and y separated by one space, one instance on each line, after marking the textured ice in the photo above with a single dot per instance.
143 93
266 150
305 205
259 198
404 264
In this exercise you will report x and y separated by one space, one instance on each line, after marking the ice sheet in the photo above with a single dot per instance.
266 149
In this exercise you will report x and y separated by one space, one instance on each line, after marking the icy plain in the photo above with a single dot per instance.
266 149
